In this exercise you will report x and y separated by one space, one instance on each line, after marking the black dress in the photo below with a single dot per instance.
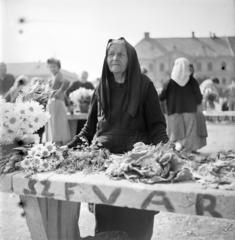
118 134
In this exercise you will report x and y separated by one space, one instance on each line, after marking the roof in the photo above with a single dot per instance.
211 47
36 69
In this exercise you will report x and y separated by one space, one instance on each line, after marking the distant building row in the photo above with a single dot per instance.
212 57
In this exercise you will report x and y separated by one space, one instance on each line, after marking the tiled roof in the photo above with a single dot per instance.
210 47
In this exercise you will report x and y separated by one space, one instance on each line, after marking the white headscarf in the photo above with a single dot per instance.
181 72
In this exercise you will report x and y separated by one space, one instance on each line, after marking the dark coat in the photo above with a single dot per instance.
181 99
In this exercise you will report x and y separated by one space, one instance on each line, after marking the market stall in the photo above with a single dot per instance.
76 121
57 190
52 182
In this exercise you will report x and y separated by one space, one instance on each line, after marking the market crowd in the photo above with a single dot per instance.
124 108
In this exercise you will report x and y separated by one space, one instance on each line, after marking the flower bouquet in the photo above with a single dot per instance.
47 157
18 123
81 98
38 91
42 158
20 120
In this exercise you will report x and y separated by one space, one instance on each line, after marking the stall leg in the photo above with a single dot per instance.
50 219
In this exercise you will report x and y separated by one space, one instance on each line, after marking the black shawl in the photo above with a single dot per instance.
133 78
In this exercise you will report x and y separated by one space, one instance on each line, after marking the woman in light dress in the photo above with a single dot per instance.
57 129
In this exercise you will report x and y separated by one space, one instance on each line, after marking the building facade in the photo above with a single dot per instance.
212 57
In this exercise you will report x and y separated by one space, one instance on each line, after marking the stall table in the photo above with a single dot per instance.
52 201
220 116
76 122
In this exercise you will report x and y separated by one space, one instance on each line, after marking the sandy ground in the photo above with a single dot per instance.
166 226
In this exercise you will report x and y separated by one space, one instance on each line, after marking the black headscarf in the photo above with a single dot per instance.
133 78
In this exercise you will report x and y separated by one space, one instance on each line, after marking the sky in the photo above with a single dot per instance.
76 31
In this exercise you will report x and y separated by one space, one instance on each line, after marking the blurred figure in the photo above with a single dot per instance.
57 129
185 122
210 91
6 80
224 105
231 95
84 81
17 89
81 83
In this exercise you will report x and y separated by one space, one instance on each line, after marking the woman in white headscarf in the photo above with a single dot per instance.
183 100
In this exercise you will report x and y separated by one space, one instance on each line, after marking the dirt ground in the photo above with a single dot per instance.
166 226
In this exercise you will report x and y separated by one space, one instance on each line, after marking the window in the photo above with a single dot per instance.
223 66
161 67
209 66
199 66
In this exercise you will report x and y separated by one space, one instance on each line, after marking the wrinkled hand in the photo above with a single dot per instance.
77 141
64 148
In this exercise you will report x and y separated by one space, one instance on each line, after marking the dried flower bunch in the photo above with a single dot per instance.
39 90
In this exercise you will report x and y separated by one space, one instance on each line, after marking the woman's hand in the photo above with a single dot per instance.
77 141
64 148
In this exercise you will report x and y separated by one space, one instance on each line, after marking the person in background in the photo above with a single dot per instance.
124 110
16 90
80 83
210 91
6 80
183 99
57 129
230 91
84 81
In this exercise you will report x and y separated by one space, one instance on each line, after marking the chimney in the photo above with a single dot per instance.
146 35
193 34
213 35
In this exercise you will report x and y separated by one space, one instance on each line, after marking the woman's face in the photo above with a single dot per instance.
117 58
53 68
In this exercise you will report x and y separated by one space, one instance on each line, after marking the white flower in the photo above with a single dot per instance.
45 166
37 149
11 121
36 162
50 147
81 94
45 153
26 163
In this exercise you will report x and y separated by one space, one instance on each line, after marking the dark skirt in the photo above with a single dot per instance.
138 224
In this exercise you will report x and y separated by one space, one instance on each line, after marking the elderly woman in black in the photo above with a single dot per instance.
124 110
